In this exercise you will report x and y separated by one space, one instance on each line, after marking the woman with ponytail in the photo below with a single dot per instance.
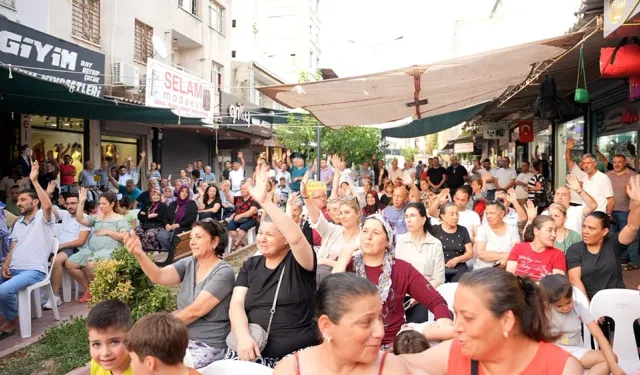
502 327
536 257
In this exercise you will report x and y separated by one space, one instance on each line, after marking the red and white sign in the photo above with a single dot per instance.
525 129
184 93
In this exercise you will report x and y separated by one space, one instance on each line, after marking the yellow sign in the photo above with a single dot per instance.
316 186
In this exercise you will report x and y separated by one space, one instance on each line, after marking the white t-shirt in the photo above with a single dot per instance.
495 243
70 227
505 175
600 188
521 193
492 173
285 174
580 175
574 218
6 183
236 178
470 220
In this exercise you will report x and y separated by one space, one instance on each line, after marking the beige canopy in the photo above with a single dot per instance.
420 91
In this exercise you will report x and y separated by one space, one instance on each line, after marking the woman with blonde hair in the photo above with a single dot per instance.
565 237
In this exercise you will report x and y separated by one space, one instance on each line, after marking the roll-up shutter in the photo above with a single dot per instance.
180 148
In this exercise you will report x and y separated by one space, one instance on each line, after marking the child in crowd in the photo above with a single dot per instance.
124 209
429 333
107 326
567 318
157 344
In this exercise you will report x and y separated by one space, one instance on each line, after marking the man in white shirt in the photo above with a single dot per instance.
574 170
236 175
521 183
395 172
72 236
505 177
597 184
466 218
575 214
488 175
282 172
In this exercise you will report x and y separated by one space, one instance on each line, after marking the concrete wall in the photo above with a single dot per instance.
31 13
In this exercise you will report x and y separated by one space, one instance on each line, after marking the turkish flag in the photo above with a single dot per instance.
525 129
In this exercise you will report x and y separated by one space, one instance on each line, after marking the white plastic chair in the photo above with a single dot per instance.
250 238
57 229
623 306
25 307
232 367
579 297
188 359
447 291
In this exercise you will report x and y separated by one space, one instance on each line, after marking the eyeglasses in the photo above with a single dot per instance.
497 203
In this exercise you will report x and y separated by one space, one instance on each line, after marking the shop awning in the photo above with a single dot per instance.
421 91
434 124
23 93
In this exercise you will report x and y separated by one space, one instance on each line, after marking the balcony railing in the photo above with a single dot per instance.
199 75
8 3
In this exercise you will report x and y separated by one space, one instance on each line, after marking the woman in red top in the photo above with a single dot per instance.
501 328
394 278
536 257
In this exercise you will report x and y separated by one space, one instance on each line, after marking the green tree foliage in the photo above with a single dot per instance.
409 153
432 143
355 143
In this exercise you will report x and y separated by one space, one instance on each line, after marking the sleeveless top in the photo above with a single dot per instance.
550 359
377 371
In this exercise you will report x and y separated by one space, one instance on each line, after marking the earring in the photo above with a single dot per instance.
326 338
505 334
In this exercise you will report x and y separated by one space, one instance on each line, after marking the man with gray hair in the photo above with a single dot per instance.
597 184
208 176
129 190
86 178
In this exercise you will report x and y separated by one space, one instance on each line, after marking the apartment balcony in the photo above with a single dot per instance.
187 28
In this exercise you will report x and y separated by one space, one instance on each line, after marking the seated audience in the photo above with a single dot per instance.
386 196
567 318
181 214
206 283
456 241
71 238
394 278
495 238
151 218
124 209
107 325
565 237
501 328
128 190
245 216
294 210
349 315
287 265
373 204
157 344
209 203
108 232
27 261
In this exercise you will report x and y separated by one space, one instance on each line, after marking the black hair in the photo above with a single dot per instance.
410 342
502 190
14 187
70 195
520 295
216 199
603 218
537 223
466 189
422 211
110 197
195 173
122 166
556 287
89 206
109 314
30 192
538 165
215 229
125 202
336 293
486 161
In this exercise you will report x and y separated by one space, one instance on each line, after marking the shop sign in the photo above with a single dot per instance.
25 129
463 148
237 112
46 57
498 130
621 18
186 94
618 118
525 131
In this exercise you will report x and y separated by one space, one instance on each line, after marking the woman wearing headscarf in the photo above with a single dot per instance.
394 278
151 220
181 214
373 204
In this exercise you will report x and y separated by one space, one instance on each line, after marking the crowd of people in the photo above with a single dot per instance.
357 256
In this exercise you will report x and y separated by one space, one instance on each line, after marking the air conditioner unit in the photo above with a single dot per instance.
126 74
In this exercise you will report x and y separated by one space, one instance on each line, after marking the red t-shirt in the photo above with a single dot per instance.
64 169
537 265
550 359
405 280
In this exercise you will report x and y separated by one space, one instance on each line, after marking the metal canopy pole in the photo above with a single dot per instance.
318 150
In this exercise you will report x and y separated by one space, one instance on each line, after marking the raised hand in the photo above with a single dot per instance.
259 189
571 143
240 155
407 180
303 185
288 152
596 148
143 154
512 197
573 183
51 188
82 195
293 197
443 197
633 188
132 243
35 171
532 210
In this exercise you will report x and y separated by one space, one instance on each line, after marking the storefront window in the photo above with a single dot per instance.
46 134
571 129
620 144
117 149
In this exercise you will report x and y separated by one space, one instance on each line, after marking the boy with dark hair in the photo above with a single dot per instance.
410 342
157 344
107 325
